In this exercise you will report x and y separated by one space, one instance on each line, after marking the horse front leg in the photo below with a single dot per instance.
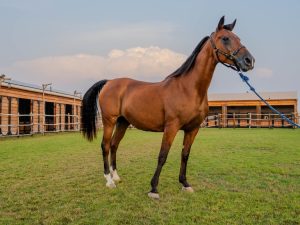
168 137
189 137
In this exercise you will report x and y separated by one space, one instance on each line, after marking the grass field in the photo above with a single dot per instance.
240 176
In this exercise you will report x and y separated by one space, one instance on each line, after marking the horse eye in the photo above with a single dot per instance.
225 39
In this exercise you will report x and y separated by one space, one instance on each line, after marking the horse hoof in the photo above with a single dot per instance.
188 189
153 195
116 178
115 175
111 185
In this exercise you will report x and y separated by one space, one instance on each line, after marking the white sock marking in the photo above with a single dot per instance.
114 174
109 181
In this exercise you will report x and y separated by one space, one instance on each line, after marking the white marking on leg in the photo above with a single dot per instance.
109 181
188 189
114 175
153 195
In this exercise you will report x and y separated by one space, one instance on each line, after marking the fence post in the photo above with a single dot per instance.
234 120
294 119
68 121
43 123
32 122
250 120
78 121
18 124
215 121
9 117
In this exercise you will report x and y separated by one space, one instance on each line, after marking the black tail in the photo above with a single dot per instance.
90 110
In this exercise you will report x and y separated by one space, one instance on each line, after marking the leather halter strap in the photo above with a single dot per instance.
231 55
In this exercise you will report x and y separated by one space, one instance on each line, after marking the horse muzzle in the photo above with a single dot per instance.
245 62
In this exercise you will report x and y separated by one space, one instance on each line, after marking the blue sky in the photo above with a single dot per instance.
75 43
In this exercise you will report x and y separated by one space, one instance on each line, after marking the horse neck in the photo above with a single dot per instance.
200 76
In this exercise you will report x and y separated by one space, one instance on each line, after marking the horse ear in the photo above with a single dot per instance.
230 26
221 23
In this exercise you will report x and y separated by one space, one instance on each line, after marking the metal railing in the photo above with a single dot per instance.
29 124
250 120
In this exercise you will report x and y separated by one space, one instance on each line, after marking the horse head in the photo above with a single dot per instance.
228 49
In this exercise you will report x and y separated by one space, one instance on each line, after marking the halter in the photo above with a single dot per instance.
231 56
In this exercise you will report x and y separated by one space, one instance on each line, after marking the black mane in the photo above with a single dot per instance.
190 62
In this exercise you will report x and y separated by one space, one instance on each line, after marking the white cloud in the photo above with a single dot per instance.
148 63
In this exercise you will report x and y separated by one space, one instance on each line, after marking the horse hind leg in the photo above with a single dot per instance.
121 127
189 138
105 145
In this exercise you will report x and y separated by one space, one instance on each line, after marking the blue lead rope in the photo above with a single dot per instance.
246 80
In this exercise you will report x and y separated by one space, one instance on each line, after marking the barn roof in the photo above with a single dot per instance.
37 88
251 96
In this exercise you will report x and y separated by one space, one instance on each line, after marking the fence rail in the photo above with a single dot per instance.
29 124
250 120
16 125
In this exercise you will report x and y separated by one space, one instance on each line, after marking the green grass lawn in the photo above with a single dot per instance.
240 176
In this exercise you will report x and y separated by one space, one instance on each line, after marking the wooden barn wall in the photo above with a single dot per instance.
63 111
256 104
36 117
9 104
57 115
14 118
4 118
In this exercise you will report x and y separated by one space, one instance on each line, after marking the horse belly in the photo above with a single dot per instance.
154 126
144 114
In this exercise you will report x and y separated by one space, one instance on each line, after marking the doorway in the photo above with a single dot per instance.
69 117
49 116
24 110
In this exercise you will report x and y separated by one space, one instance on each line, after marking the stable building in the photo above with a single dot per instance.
246 110
27 109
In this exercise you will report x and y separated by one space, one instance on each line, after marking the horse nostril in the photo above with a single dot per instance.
247 61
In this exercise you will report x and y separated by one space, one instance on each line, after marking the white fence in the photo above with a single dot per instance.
250 120
29 124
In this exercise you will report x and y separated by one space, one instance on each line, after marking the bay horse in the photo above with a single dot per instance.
179 102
